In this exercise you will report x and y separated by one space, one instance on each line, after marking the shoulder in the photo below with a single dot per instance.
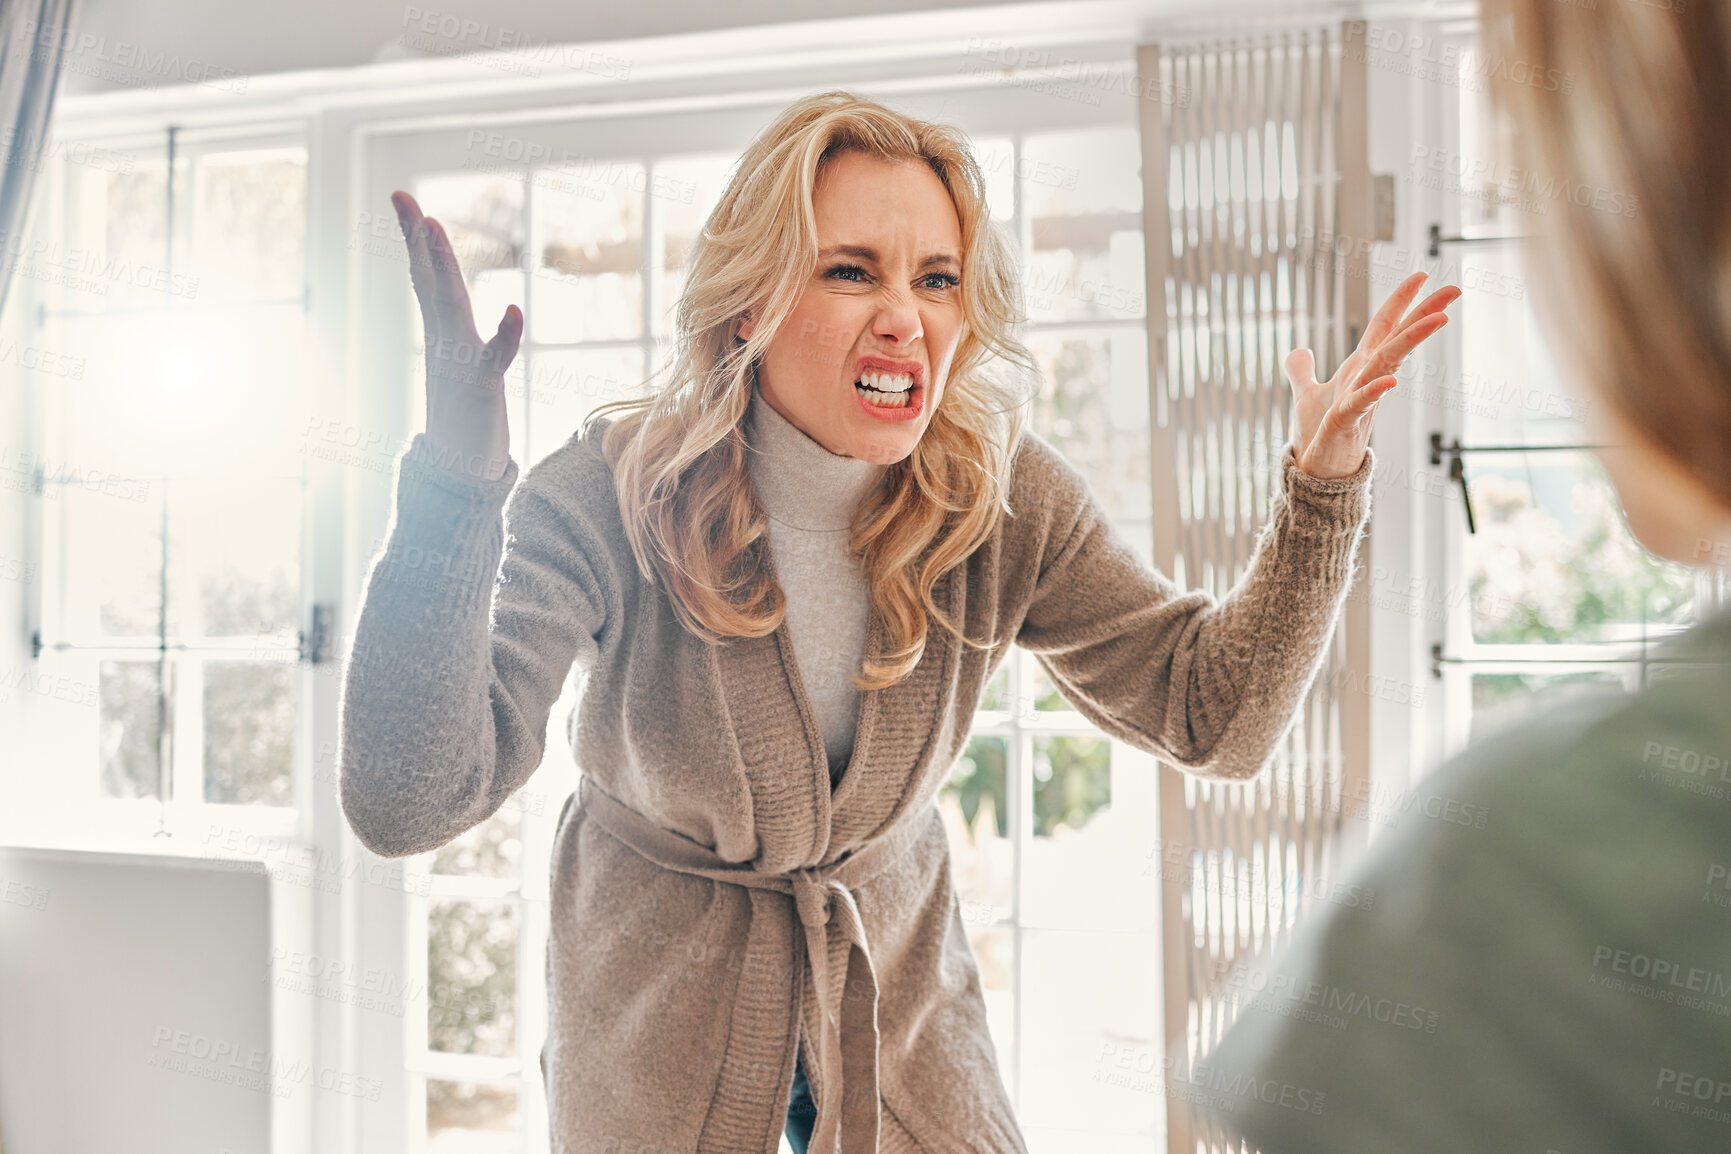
1597 804
1047 495
1503 904
1041 476
576 473
571 490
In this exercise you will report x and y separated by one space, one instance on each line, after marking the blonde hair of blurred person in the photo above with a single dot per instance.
679 455
1636 307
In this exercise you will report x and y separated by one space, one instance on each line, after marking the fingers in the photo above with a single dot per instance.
1392 317
497 354
1350 420
1391 311
433 270
1301 369
420 261
1362 402
450 294
1441 299
1388 357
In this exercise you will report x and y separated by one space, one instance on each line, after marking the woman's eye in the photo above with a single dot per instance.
943 279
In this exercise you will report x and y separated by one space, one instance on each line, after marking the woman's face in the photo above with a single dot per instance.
883 304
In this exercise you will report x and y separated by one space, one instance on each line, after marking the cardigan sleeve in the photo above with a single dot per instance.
1207 685
457 659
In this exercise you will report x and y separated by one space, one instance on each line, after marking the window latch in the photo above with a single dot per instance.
1457 474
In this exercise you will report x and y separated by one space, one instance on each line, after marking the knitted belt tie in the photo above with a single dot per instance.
847 1071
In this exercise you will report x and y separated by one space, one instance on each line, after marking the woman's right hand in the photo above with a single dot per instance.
466 427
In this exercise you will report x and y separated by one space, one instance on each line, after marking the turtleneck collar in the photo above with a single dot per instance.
801 483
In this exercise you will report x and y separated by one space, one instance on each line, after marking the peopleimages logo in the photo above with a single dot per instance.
125 61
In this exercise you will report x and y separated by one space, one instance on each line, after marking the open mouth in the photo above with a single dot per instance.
885 390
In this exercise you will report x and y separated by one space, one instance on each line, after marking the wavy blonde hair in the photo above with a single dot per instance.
678 454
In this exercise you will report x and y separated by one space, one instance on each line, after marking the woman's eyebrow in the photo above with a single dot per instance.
866 252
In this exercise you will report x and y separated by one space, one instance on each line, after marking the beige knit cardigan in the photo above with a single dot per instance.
713 904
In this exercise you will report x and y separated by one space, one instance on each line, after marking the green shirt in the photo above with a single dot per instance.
1552 976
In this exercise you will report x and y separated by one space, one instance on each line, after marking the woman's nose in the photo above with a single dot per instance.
897 321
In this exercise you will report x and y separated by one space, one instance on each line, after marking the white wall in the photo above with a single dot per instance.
139 1006
251 37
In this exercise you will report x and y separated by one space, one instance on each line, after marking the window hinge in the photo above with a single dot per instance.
315 644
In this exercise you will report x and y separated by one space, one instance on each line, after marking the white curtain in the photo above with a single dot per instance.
33 36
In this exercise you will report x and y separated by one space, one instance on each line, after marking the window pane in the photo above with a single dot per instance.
491 849
129 700
1095 813
249 224
195 388
690 187
127 223
1093 408
1083 194
234 557
1509 392
1553 560
466 1118
588 252
1090 1013
1504 699
249 724
1072 780
566 385
996 157
472 976
112 545
975 803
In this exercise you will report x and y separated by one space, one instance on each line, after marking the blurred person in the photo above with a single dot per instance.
1559 979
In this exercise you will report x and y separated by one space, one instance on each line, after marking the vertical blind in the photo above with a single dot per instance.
1254 165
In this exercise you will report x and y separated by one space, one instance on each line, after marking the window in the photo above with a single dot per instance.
167 483
1548 592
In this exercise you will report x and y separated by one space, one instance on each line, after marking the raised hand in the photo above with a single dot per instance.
466 426
1334 416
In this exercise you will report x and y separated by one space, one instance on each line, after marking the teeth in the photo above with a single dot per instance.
887 382
887 400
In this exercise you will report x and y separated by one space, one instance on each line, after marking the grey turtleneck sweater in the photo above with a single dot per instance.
810 495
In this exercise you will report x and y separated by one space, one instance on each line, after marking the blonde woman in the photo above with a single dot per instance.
787 576
1560 979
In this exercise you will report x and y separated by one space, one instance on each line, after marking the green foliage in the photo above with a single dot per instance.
249 725
980 773
1536 581
1072 779
472 977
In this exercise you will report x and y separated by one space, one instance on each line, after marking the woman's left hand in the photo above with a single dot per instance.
1334 416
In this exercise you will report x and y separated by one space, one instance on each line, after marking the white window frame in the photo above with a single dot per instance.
1441 507
110 823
